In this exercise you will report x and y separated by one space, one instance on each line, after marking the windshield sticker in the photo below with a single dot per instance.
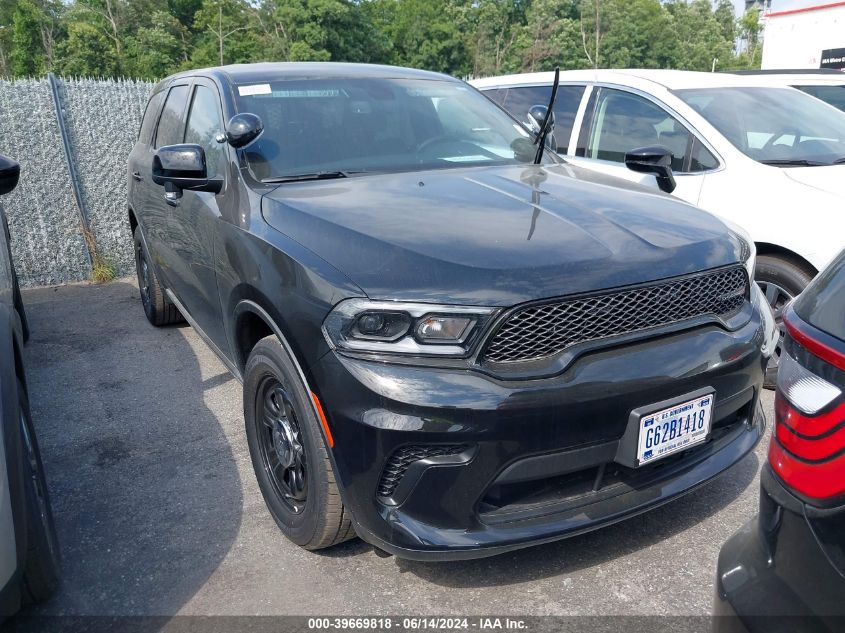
256 89
299 94
466 159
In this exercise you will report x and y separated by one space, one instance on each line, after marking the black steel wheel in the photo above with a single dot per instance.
157 307
781 280
282 453
289 452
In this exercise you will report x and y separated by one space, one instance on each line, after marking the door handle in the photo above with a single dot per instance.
137 176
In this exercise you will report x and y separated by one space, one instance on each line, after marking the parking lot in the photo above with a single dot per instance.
158 511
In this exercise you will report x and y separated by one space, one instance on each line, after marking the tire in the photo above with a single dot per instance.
289 455
158 308
42 567
781 279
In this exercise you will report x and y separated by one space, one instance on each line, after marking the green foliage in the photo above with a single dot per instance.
152 38
86 53
27 56
154 51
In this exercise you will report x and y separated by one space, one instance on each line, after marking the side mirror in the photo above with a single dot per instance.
179 167
536 116
10 172
655 160
243 129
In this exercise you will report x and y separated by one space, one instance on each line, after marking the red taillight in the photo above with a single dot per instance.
819 481
812 439
808 448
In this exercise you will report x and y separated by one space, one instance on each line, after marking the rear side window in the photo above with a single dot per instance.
834 95
170 124
518 101
701 158
150 116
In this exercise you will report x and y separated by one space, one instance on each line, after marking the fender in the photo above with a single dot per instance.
247 305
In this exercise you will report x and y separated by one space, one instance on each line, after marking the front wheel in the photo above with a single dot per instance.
781 280
289 455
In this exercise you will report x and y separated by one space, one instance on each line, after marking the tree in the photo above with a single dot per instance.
321 30
157 50
496 25
750 29
86 52
700 38
27 57
107 17
550 37
227 33
426 34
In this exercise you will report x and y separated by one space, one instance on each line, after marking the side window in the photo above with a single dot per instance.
519 100
170 124
203 125
150 116
623 121
834 95
701 159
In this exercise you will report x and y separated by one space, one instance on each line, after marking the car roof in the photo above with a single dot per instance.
271 71
835 78
637 78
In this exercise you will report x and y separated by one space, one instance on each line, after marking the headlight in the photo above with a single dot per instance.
405 328
771 334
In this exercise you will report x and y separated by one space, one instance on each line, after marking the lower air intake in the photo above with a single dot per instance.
402 458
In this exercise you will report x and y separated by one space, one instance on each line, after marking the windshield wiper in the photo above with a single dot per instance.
317 175
839 161
547 124
794 162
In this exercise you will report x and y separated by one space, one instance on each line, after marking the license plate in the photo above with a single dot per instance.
674 429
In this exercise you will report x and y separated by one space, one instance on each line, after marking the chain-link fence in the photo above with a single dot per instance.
100 118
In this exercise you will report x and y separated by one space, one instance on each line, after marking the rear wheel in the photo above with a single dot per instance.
158 308
41 573
781 280
288 452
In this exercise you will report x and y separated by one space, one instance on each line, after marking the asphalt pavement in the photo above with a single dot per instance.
158 511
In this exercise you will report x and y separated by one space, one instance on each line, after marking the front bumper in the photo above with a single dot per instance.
524 462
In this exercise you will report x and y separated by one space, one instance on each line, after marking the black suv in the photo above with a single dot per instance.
784 571
445 348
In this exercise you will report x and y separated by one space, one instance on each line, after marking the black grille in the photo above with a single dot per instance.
398 463
544 330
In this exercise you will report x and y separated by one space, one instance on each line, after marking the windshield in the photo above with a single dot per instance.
355 125
777 126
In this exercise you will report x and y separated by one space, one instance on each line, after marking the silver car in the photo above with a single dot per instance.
29 555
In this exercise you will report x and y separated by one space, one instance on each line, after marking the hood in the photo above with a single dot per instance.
497 236
830 179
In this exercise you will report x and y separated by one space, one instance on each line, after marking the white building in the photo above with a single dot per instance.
812 37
